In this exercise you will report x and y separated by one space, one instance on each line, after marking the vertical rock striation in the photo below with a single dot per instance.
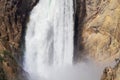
97 25
79 17
97 28
13 17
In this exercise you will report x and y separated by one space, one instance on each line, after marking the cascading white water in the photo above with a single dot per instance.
49 37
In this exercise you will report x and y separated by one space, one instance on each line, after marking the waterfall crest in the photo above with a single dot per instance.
49 37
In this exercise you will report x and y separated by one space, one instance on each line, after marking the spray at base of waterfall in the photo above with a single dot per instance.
85 70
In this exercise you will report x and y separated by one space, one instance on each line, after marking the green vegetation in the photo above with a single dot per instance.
1 59
2 75
6 56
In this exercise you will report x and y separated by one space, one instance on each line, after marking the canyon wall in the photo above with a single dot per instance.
97 25
13 17
97 33
97 29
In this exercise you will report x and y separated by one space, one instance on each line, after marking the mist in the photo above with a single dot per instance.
50 44
85 70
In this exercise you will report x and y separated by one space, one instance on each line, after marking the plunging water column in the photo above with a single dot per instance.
49 37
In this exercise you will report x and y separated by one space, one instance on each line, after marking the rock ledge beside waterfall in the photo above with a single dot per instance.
112 73
13 17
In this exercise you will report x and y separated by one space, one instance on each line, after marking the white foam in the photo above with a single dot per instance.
49 37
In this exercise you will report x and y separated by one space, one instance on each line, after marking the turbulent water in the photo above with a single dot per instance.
49 38
49 44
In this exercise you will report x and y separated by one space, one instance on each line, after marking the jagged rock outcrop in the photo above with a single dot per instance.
97 26
13 17
9 68
112 73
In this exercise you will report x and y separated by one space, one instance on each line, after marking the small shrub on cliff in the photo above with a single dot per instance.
2 75
1 59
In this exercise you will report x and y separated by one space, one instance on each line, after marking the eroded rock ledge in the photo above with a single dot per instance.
112 73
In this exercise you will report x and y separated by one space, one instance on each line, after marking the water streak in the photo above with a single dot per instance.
49 37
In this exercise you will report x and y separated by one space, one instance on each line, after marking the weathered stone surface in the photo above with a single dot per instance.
80 14
98 28
9 68
97 25
13 17
112 73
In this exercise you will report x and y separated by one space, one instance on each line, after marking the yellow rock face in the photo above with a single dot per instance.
101 33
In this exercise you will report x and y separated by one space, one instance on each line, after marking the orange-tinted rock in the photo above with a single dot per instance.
112 73
98 33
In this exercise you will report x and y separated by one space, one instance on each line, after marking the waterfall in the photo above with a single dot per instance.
49 38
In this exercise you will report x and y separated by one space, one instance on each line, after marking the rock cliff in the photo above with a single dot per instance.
13 17
97 29
97 25
112 73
